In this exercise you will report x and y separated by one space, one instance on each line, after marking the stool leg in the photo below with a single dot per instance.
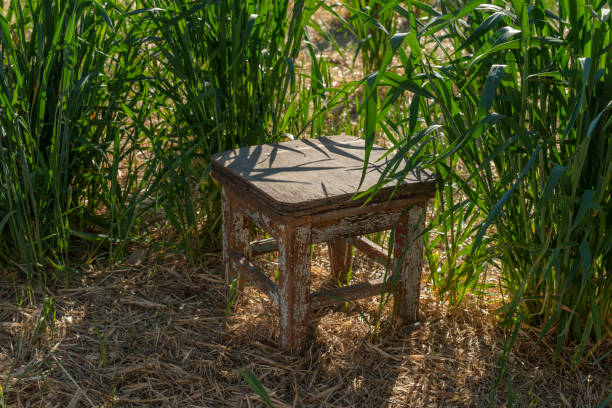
408 262
294 285
235 237
340 258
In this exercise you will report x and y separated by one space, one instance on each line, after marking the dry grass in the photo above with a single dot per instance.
157 334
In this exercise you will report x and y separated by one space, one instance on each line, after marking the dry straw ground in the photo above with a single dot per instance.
156 334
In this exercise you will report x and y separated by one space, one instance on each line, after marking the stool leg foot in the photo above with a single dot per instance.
235 238
340 257
294 286
408 262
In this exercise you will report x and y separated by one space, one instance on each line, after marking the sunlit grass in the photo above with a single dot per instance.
511 106
69 75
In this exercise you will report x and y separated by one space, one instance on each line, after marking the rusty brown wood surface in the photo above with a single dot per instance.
257 214
294 285
263 246
354 225
347 293
257 277
299 193
396 205
235 235
408 262
340 259
309 176
371 249
323 224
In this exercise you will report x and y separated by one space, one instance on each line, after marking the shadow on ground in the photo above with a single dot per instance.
158 335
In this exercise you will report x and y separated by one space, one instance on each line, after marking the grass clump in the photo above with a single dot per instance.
108 111
511 105
228 71
69 74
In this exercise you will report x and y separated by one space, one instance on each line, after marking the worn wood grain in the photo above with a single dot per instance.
300 193
235 236
311 175
408 262
347 293
340 258
371 249
263 246
354 225
228 235
255 213
294 286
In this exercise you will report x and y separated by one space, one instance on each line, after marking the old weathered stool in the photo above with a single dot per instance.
300 193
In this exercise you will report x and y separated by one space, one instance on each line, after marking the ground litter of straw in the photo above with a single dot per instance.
157 334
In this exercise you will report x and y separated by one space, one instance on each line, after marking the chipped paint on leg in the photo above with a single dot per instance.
235 236
408 262
294 285
228 232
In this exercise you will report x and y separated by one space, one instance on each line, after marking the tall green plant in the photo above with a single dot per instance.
228 70
68 73
372 22
511 105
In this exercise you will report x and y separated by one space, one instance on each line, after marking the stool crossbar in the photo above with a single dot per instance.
300 192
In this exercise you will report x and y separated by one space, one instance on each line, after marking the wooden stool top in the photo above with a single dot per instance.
309 176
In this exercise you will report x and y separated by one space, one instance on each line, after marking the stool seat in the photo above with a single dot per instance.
301 193
310 176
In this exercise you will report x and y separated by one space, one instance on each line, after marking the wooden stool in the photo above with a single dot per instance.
300 193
